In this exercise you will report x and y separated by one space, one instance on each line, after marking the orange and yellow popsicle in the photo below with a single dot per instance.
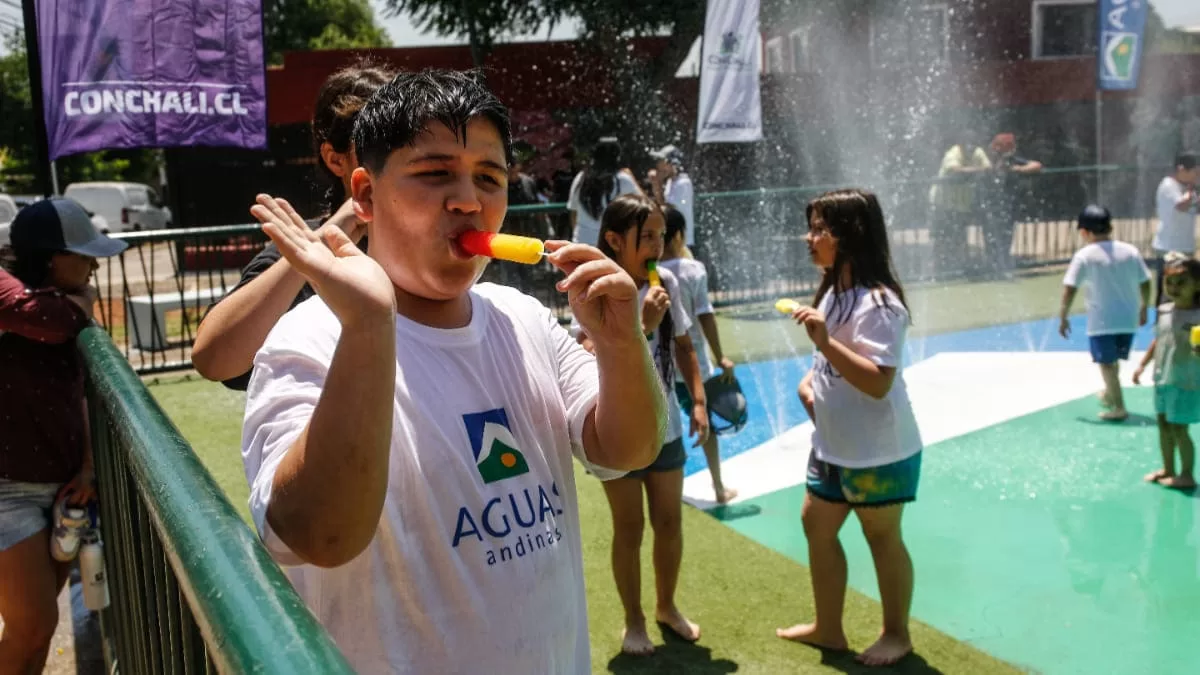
502 246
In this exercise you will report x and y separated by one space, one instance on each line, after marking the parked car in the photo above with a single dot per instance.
123 206
8 211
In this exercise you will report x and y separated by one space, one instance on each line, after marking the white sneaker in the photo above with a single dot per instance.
70 522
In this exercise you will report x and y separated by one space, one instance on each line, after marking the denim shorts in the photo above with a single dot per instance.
672 456
24 510
894 483
1110 348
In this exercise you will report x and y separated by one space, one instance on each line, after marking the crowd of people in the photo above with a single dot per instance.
409 433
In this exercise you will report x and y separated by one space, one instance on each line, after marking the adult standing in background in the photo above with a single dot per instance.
672 185
1177 203
999 199
593 188
952 201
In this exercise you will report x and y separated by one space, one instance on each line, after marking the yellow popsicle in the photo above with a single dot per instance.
652 273
786 306
1195 336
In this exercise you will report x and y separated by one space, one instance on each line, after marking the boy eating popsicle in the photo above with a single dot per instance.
408 434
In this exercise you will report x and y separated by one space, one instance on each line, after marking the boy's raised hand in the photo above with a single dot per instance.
603 296
353 285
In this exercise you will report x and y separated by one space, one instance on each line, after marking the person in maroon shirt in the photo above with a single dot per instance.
45 301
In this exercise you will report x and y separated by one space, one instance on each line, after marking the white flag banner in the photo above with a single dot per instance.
730 104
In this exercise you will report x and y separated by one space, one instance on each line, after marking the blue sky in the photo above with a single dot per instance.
405 34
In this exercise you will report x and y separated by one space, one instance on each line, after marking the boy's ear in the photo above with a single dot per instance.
362 190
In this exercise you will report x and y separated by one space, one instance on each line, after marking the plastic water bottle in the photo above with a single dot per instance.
91 570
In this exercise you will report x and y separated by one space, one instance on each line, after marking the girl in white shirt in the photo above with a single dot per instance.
632 233
866 454
594 187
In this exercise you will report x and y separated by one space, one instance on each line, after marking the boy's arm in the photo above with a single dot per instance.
1068 297
689 370
329 488
708 324
234 329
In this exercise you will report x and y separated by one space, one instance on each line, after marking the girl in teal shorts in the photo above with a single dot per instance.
866 448
1176 373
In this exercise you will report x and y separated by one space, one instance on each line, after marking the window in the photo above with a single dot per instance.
907 34
775 60
1064 28
800 54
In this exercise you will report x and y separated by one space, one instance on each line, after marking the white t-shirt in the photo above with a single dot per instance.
477 560
587 228
1176 229
681 324
693 295
1114 272
679 193
852 429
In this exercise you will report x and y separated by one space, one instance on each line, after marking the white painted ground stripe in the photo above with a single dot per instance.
952 394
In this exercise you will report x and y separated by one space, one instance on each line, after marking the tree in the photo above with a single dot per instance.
302 25
480 22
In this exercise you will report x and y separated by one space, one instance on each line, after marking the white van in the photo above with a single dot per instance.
123 206
8 211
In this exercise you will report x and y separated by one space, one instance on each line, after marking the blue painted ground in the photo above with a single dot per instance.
770 386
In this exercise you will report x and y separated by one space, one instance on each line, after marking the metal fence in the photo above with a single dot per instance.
192 590
154 295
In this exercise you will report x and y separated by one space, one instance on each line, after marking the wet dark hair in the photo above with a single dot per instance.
855 219
600 177
676 222
1095 219
31 267
1187 160
1189 266
402 109
338 103
623 214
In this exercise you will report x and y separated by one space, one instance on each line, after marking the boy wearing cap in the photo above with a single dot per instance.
45 301
673 186
1118 294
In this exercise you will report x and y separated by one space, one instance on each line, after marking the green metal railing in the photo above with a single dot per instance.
192 589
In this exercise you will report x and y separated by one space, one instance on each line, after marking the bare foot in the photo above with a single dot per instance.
808 634
635 641
1114 415
1156 476
888 649
1178 482
678 623
1105 400
725 495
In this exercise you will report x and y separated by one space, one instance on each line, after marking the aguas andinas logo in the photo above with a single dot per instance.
515 524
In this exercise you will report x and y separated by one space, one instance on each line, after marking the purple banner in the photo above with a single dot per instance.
152 73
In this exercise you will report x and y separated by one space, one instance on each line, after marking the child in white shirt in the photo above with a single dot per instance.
409 434
1118 284
866 448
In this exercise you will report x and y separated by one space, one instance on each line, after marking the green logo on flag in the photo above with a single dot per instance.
1120 55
